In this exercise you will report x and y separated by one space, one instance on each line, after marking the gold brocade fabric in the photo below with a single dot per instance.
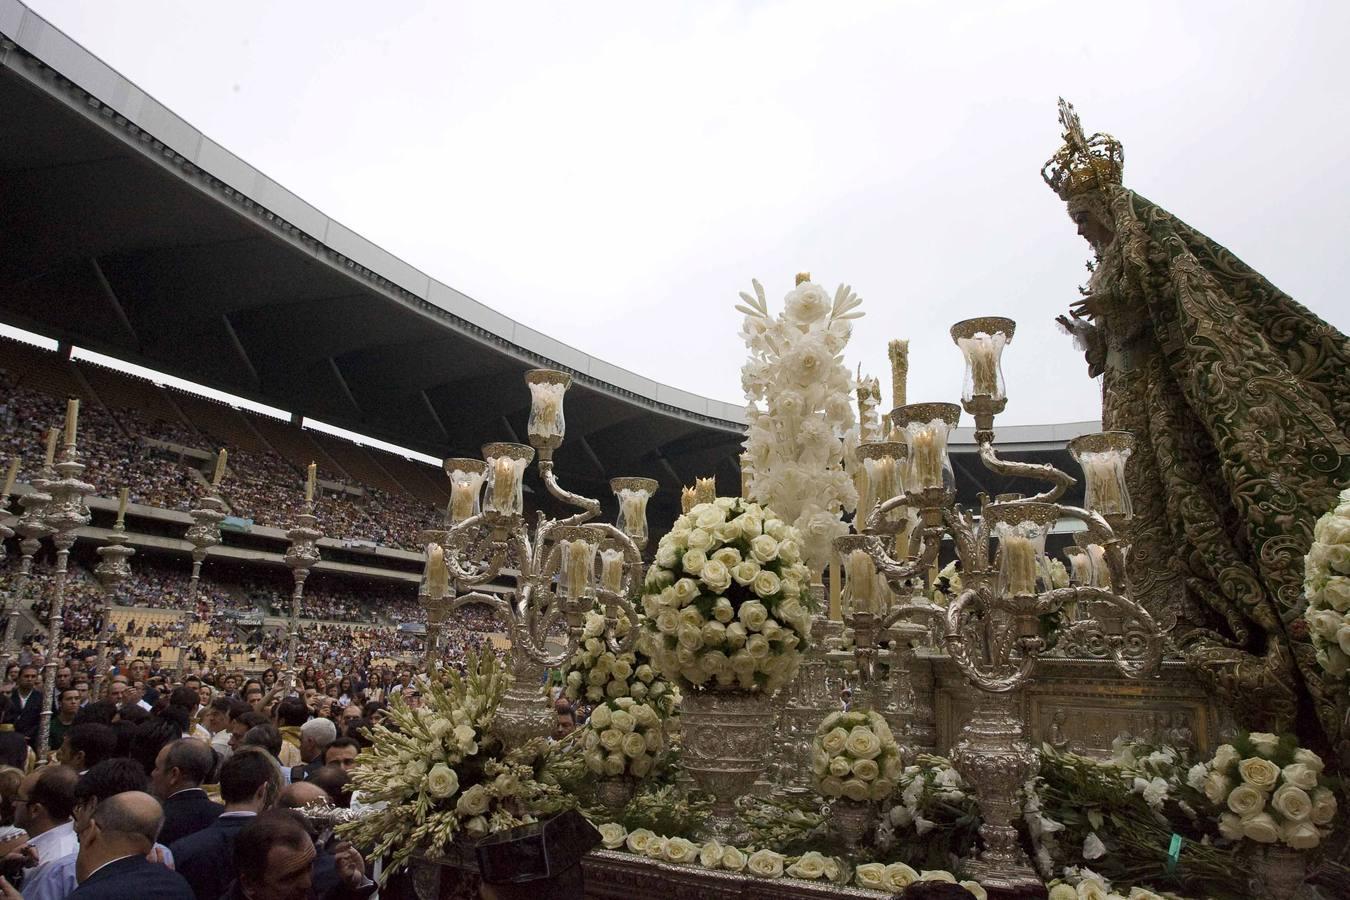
1239 399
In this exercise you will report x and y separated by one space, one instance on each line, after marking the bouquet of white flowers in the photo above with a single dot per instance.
1326 582
623 737
1273 791
854 755
440 772
725 601
597 674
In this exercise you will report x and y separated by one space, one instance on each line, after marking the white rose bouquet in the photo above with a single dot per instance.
441 773
725 602
623 737
1269 790
854 756
1326 583
596 674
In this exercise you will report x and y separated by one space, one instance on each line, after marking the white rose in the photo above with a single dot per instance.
764 549
753 615
1292 802
1246 800
710 855
690 637
699 539
937 875
757 646
665 556
839 767
611 739
442 782
1300 835
595 760
694 561
1325 623
765 864
1336 593
733 859
1332 529
866 769
1300 775
863 744
1230 826
641 765
623 720
474 801
735 635
680 850
656 847
1309 759
476 827
613 835
1225 758
1333 660
855 789
744 572
810 866
807 303
1259 773
710 515
600 717
634 744
716 576
668 621
871 876
766 584
1264 741
1217 786
831 786
900 876
723 611
1261 828
685 589
1093 889
1323 806
1063 892
834 740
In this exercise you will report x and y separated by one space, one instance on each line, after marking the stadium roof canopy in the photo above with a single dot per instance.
128 232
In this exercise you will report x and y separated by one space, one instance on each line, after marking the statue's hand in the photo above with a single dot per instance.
1088 307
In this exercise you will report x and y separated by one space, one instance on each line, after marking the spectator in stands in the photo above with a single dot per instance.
249 784
112 862
180 769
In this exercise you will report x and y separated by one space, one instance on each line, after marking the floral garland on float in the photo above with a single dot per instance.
726 615
440 774
1326 583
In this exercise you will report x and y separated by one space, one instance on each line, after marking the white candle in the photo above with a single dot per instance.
1101 575
706 489
899 353
611 570
310 477
1103 485
462 492
122 505
982 355
578 560
503 485
10 474
927 454
688 499
436 575
1080 565
72 420
546 419
862 584
52 436
1019 563
220 468
633 513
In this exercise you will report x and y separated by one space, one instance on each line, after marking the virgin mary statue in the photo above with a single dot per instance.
1239 400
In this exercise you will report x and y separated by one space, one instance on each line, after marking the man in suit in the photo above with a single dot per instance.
315 736
180 769
26 701
275 857
249 783
112 864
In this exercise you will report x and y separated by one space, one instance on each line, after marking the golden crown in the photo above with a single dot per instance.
1083 163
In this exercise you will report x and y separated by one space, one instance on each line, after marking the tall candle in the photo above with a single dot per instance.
927 454
611 570
899 353
981 352
633 513
688 499
1019 563
706 489
219 475
72 420
1103 487
862 584
122 505
578 557
462 492
311 476
1080 566
1101 575
10 474
436 574
546 418
52 436
503 485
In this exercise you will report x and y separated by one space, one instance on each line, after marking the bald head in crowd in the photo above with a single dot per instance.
125 824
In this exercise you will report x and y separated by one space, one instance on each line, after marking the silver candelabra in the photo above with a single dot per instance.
31 527
203 534
113 568
301 556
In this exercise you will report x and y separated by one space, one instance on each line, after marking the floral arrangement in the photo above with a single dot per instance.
810 865
725 599
623 737
1272 791
1085 884
934 819
440 772
855 756
798 408
1326 583
596 674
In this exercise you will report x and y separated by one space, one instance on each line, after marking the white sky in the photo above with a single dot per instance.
613 173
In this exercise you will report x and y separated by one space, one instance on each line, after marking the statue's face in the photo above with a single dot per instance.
1092 228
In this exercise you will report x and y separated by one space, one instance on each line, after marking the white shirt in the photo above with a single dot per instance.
56 842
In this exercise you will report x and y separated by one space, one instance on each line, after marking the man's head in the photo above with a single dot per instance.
181 765
46 799
265 736
253 694
69 704
351 713
63 678
241 725
342 753
315 736
81 685
274 857
117 691
336 783
184 698
125 824
86 745
28 678
565 722
249 780
303 793
110 777
217 715
139 670
150 737
292 712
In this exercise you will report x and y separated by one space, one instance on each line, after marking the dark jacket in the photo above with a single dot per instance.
25 716
187 812
206 859
135 877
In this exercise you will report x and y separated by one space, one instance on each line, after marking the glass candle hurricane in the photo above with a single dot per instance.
466 482
925 428
860 594
611 570
1103 457
1021 530
633 494
547 424
576 565
1080 566
982 341
883 470
504 491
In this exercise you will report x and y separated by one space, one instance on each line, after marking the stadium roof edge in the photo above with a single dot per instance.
194 153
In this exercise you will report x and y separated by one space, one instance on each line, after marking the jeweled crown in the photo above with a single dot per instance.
1083 163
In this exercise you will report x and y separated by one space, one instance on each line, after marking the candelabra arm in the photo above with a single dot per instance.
877 520
1062 481
993 677
1144 663
1100 532
589 508
628 641
499 606
896 572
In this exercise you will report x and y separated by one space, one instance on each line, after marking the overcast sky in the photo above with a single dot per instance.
613 173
